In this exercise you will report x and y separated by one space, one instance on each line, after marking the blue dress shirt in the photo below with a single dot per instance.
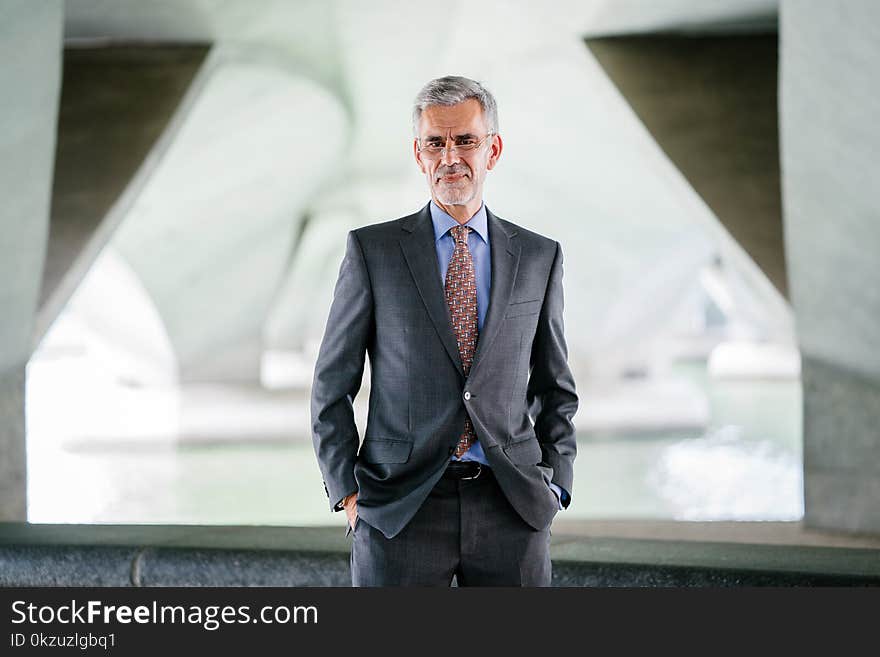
478 245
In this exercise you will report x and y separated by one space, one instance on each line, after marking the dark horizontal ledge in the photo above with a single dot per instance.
176 555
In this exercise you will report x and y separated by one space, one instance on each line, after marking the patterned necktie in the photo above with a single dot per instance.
461 297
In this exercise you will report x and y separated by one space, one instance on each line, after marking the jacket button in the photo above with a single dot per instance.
467 395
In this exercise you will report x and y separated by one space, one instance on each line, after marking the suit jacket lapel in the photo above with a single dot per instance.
505 253
420 252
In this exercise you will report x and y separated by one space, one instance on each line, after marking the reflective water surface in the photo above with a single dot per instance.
99 452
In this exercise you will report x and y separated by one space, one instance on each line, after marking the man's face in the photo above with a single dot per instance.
456 177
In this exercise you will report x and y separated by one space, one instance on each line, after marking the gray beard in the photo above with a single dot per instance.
454 195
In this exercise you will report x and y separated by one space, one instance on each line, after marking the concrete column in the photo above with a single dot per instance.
30 49
829 104
116 103
711 104
13 457
211 233
841 448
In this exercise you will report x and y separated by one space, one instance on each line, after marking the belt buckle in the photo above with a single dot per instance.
479 471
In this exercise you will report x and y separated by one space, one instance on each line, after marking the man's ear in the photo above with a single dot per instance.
418 156
495 152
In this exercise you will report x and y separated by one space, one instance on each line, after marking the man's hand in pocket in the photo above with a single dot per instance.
349 503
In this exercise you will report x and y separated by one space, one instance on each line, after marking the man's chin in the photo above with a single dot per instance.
454 197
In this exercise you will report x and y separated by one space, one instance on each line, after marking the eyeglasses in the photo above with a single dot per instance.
466 144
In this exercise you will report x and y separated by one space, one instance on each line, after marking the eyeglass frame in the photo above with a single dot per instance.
422 149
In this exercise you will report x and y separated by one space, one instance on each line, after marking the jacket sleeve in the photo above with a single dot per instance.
338 373
551 393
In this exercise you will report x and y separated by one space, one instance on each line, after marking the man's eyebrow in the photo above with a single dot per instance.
466 135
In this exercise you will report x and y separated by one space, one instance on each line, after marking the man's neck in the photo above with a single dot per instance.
461 213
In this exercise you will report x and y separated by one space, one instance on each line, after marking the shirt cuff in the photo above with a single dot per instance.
339 505
562 496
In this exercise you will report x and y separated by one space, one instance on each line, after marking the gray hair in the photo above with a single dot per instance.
452 90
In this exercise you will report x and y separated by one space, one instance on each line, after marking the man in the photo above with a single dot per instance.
461 314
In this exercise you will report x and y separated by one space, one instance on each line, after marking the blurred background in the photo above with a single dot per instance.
179 177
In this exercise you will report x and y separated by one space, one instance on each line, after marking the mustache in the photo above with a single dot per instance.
460 167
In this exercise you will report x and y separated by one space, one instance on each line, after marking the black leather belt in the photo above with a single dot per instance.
466 470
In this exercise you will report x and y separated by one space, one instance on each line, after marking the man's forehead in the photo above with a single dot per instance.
462 119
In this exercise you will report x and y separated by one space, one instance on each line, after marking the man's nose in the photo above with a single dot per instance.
449 155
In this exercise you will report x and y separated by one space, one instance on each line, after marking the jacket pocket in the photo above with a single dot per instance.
385 450
531 307
524 452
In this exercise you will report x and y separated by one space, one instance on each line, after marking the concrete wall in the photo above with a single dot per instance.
30 49
830 104
131 555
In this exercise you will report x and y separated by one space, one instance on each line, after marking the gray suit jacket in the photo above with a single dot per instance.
389 303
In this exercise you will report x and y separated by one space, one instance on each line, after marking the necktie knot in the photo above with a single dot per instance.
460 233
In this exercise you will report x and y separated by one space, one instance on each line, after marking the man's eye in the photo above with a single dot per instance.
466 142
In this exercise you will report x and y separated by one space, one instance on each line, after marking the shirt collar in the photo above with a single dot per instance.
443 222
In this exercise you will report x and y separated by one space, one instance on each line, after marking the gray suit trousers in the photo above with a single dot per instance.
466 528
